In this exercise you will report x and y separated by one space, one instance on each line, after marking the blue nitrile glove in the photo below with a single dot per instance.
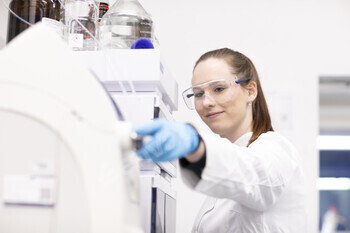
170 140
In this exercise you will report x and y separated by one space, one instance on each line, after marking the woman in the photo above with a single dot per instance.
251 175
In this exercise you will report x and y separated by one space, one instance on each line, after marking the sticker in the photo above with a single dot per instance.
75 40
29 190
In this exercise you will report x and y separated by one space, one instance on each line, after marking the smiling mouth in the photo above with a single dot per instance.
213 115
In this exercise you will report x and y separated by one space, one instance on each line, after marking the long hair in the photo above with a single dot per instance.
243 67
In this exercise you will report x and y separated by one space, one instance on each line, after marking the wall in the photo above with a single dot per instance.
3 22
292 43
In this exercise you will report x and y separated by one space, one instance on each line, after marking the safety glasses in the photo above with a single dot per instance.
219 90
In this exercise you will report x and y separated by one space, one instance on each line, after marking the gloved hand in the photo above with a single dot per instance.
170 140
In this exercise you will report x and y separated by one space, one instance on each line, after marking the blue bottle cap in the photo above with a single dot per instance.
142 43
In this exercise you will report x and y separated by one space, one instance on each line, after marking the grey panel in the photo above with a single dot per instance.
170 214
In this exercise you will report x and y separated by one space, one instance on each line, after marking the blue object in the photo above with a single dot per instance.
142 43
170 140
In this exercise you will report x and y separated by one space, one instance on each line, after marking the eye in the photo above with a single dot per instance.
198 95
219 89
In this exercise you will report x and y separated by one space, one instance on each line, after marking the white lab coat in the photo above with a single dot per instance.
258 189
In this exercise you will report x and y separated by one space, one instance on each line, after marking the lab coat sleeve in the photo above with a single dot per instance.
254 177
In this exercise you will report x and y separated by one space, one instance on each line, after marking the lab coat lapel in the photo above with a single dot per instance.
207 206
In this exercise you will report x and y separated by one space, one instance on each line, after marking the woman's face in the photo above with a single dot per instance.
232 117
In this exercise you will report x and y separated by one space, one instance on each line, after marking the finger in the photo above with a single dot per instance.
152 148
150 128
156 148
144 153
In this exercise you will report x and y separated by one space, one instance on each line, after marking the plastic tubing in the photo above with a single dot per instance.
17 16
100 46
77 20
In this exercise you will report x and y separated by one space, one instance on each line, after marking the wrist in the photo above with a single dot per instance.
197 154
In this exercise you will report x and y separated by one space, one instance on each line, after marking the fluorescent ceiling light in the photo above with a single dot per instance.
329 142
332 183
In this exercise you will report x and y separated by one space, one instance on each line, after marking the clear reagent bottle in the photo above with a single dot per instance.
124 23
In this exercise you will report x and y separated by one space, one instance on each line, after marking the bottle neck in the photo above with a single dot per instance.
129 7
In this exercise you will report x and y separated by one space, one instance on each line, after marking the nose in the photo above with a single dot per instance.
208 101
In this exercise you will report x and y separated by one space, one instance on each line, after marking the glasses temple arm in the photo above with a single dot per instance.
242 80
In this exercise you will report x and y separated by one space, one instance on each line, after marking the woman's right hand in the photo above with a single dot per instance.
170 140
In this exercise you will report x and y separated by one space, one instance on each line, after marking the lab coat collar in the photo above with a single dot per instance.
244 139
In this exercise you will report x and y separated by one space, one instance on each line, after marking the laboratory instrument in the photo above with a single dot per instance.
66 158
144 88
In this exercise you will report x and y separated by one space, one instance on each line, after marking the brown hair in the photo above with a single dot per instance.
244 68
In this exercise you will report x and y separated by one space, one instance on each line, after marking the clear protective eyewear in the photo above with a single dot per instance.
219 91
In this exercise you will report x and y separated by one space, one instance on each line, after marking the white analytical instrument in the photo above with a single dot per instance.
142 86
66 163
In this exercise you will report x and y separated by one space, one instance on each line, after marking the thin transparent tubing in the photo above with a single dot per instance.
101 47
132 87
88 32
77 20
26 22
109 62
17 16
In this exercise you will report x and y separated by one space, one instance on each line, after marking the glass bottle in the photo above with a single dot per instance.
79 18
53 9
124 23
103 7
52 16
31 11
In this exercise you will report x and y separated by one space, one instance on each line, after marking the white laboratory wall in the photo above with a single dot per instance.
292 43
3 22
